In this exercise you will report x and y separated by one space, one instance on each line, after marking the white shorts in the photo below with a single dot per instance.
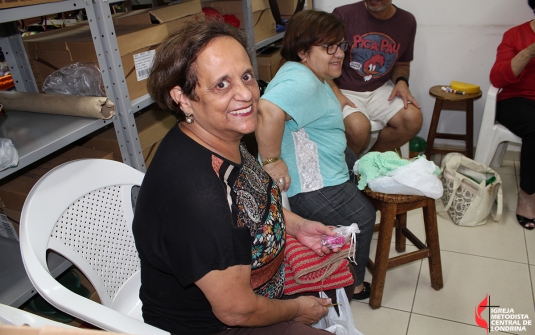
374 105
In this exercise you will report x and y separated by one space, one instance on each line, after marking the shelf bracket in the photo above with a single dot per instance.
111 67
16 57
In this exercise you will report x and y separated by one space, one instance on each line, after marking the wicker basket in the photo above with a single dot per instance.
395 198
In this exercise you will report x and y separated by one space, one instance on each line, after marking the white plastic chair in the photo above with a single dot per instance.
17 317
492 135
83 211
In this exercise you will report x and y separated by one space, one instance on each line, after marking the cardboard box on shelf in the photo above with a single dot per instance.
268 63
287 7
263 21
52 50
152 125
14 191
160 14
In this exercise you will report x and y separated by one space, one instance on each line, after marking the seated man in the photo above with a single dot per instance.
374 84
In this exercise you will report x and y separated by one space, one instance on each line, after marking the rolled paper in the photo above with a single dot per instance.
86 106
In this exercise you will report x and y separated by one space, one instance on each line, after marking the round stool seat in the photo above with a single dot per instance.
393 198
437 92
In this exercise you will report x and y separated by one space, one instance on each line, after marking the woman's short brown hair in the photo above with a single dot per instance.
175 62
307 28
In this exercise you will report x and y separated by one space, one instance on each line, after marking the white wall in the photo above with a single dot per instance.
455 40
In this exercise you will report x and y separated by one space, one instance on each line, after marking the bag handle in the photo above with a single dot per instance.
452 161
497 214
457 181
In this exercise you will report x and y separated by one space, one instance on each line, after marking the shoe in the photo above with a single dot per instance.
365 293
523 221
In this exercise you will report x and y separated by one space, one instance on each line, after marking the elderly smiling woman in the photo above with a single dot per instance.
209 224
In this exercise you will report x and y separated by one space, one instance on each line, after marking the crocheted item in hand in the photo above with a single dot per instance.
305 271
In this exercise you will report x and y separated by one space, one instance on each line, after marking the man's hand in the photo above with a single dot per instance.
279 172
344 101
402 90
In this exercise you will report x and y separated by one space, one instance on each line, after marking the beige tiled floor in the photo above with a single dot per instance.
497 259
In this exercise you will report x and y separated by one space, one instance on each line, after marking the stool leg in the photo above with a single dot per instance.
433 128
401 240
386 225
431 234
470 128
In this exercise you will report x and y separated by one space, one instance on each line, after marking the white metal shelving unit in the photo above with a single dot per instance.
38 135
249 31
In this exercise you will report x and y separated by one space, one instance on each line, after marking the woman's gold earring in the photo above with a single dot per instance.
189 118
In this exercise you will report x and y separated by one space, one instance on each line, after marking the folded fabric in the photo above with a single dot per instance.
305 271
376 164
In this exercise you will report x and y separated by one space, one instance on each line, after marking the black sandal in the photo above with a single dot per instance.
523 221
365 293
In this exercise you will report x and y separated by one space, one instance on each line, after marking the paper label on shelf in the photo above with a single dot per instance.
143 62
6 228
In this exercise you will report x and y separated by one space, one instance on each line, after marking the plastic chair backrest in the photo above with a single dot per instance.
489 110
492 134
83 211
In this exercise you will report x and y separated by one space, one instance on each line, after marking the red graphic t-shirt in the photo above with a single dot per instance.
375 46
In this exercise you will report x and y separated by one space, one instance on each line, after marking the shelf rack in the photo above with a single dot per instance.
46 133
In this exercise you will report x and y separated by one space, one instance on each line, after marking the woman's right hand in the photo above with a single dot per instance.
311 309
531 50
279 172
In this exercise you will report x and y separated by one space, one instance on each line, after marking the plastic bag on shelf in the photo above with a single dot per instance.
9 157
80 79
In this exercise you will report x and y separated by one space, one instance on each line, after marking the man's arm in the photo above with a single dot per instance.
401 88
234 302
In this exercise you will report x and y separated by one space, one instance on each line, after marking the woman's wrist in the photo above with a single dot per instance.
270 160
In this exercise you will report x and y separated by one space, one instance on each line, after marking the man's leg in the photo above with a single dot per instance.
400 129
357 132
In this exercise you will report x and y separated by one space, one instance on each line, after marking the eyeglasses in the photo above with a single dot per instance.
332 48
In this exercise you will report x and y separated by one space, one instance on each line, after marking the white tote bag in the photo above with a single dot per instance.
472 190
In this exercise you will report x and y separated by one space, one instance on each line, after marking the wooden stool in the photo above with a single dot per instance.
394 208
456 102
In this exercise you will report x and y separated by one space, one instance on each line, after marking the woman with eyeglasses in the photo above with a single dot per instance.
300 133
